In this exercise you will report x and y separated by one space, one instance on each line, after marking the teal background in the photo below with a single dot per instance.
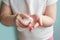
10 32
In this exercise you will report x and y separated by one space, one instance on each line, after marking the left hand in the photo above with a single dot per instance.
35 23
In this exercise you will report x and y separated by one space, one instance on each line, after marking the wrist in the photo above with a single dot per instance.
15 17
41 20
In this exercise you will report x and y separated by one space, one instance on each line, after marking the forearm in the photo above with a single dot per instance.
8 20
47 21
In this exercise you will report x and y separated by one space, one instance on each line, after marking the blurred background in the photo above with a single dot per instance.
10 32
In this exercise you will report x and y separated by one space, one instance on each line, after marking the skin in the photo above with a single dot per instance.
8 18
49 17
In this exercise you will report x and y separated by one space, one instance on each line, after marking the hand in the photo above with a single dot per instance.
37 19
34 24
19 20
37 22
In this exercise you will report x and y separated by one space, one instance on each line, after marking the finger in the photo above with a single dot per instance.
31 27
40 22
23 23
36 25
17 23
19 18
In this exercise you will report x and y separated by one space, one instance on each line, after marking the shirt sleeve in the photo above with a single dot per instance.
50 2
6 2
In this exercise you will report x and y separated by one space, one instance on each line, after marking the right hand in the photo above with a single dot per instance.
19 20
37 22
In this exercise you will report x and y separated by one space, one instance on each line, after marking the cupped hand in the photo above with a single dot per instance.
20 21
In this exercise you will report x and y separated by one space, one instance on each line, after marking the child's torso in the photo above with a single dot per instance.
37 7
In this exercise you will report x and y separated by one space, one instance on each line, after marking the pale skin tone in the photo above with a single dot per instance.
7 18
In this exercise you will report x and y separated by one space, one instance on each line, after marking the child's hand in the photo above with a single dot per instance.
37 19
37 22
20 19
33 24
